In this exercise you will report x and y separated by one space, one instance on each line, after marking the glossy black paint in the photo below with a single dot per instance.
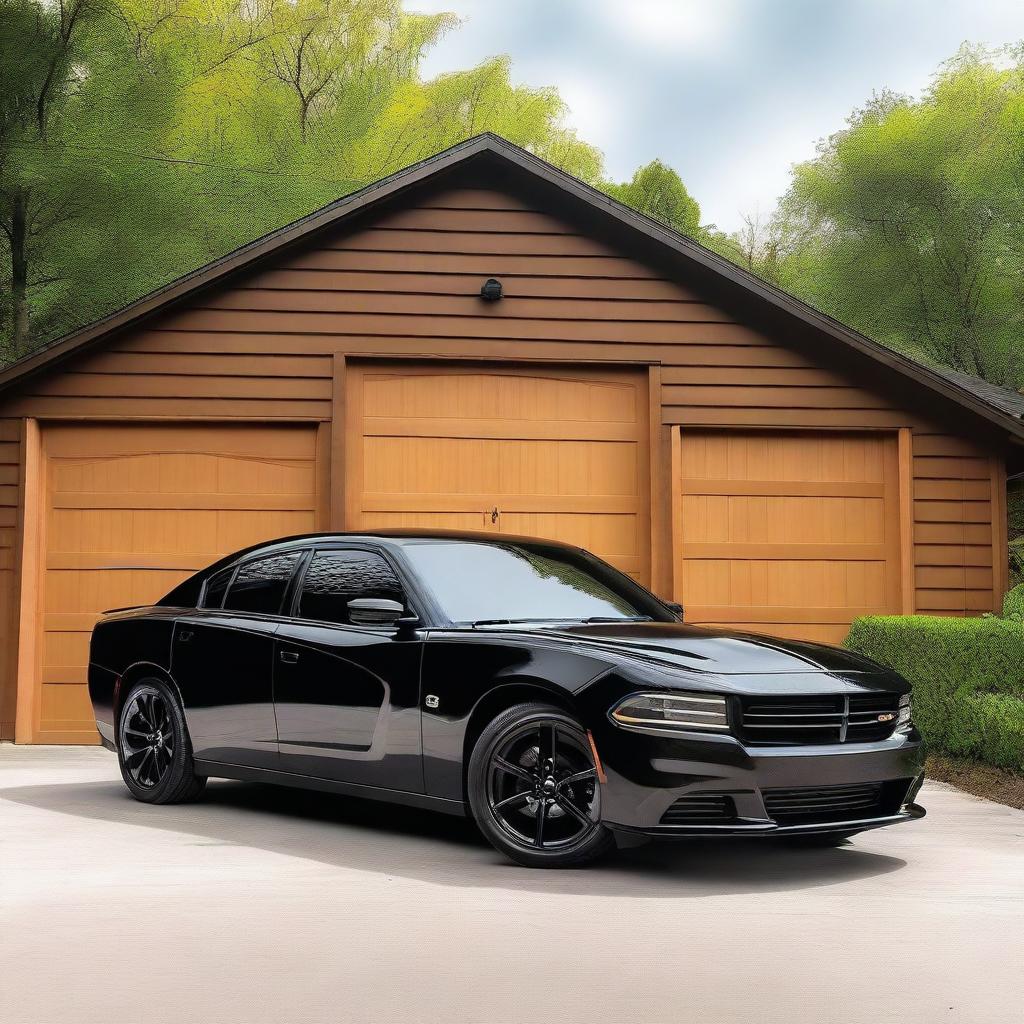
392 711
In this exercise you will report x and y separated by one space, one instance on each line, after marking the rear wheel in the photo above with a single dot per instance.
534 791
153 746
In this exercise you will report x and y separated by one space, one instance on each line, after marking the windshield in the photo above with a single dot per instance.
482 582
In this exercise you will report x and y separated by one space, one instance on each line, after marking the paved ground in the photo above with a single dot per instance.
261 904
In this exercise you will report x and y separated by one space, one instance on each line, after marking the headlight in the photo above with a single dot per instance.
672 712
903 715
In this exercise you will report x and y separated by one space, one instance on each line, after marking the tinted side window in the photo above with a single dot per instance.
336 577
260 586
216 585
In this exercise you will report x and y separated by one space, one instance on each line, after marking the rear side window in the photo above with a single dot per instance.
260 586
216 586
336 577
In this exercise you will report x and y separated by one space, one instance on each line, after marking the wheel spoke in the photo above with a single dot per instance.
567 805
512 769
513 800
587 773
542 813
133 754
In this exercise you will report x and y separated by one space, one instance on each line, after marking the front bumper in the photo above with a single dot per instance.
750 829
648 774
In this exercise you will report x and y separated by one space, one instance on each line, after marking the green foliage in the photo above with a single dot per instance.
1013 604
968 679
909 224
140 139
657 191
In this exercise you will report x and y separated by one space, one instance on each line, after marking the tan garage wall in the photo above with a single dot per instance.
284 345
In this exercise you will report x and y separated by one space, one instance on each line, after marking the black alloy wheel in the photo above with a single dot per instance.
147 740
153 746
534 788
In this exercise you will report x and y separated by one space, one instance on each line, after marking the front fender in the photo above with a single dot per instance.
460 671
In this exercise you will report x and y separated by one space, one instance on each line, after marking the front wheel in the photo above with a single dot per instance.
153 746
534 790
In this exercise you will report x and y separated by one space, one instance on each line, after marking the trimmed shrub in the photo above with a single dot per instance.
1013 603
967 675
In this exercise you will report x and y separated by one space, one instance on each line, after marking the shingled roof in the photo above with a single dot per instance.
999 407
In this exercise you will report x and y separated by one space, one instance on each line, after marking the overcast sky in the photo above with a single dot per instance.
729 92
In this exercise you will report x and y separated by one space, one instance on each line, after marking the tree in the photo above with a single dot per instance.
657 191
140 139
910 222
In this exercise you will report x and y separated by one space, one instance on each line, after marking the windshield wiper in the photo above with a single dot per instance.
509 622
618 618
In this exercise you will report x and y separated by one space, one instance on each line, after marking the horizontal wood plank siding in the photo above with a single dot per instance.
407 285
953 525
10 470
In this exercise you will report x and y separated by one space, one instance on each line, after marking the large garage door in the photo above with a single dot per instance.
790 534
560 455
132 511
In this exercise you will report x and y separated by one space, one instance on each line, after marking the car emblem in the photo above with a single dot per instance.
432 701
887 717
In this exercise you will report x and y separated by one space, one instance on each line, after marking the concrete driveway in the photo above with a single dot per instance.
264 904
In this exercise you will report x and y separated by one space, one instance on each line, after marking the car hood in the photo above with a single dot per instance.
720 652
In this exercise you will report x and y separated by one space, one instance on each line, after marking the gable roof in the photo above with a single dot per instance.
995 405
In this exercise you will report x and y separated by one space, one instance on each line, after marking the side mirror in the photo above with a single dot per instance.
374 611
675 606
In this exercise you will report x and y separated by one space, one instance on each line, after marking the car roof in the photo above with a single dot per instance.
401 535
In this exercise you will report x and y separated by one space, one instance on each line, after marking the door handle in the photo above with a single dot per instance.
494 514
289 657
185 635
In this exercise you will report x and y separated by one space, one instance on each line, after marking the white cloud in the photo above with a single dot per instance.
674 25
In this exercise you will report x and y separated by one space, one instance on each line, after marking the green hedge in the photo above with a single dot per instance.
1013 603
968 679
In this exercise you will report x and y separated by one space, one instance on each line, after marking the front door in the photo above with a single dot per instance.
347 696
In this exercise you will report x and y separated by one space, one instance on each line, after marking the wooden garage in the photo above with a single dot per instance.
629 391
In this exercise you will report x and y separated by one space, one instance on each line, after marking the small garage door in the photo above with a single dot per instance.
560 455
132 511
789 534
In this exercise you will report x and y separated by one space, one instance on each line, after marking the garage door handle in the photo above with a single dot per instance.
289 657
185 635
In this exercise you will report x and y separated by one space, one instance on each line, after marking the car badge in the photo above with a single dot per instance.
887 717
432 701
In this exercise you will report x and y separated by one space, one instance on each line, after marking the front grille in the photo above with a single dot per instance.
803 720
807 805
701 809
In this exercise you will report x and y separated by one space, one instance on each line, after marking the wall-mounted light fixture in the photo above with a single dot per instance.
490 291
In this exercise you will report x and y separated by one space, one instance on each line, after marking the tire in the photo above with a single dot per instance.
153 746
533 788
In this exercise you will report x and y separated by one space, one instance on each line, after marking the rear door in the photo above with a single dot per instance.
222 659
347 696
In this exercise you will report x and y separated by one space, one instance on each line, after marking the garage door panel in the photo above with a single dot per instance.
134 509
414 465
555 454
508 398
794 533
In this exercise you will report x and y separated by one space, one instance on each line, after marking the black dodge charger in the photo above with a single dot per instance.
524 682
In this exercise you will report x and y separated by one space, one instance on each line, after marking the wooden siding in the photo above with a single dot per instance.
10 471
273 348
954 545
